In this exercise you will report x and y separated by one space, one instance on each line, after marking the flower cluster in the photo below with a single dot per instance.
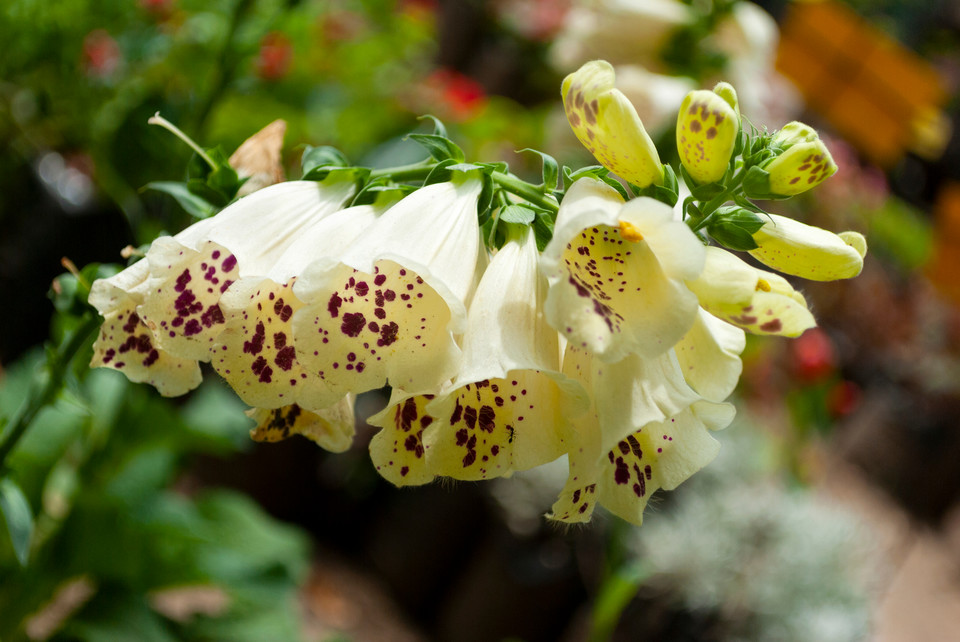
515 324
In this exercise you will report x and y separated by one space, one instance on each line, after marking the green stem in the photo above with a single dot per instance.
58 369
157 119
403 173
710 208
526 191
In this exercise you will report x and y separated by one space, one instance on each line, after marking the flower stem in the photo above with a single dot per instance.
401 173
525 190
59 362
157 119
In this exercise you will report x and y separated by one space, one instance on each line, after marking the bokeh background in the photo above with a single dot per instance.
832 513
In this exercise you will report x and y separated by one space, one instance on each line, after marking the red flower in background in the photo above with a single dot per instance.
101 54
813 356
456 96
160 9
275 57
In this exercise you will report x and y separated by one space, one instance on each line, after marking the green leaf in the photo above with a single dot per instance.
199 187
193 204
551 170
380 189
323 156
543 226
517 214
440 147
19 519
438 127
667 193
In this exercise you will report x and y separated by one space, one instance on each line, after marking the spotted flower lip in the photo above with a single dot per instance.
607 124
617 273
161 315
707 128
647 430
390 306
332 428
798 249
755 300
255 350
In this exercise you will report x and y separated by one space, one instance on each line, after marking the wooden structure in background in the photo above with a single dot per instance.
880 96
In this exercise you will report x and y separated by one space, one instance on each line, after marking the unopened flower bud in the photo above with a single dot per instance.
803 164
707 128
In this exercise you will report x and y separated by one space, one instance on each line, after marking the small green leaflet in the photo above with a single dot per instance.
16 512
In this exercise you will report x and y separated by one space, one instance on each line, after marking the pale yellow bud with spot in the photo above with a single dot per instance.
708 124
809 252
804 164
607 124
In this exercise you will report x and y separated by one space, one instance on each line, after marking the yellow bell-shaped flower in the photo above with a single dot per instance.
607 123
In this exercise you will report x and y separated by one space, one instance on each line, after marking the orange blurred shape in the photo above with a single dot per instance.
879 95
944 267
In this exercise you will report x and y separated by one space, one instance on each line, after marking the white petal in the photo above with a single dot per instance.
397 451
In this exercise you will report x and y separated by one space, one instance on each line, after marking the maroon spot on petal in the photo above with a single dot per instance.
285 358
353 324
772 326
191 328
407 414
486 419
622 474
388 334
182 281
404 470
695 126
389 295
711 133
461 436
131 325
255 344
624 447
470 417
457 412
380 313
333 305
576 496
151 358
380 279
212 316
229 263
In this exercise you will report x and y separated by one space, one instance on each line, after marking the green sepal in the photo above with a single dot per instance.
217 185
381 188
518 214
756 184
438 127
322 156
18 517
570 176
441 148
194 205
551 170
443 170
543 226
668 193
733 227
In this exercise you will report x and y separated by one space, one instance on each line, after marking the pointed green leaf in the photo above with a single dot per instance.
517 214
323 156
19 519
551 170
440 147
194 205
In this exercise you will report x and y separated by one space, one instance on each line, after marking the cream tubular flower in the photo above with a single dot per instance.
607 124
617 273
760 302
162 314
509 407
255 351
795 248
649 430
388 310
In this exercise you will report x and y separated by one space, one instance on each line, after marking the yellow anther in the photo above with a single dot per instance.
629 232
763 285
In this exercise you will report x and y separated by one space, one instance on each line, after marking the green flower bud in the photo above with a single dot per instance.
707 128
804 162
